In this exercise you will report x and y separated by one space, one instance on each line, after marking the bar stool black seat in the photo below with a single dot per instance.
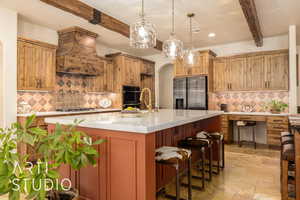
174 156
203 146
241 124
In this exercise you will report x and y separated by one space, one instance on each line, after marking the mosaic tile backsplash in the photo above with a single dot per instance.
70 90
236 100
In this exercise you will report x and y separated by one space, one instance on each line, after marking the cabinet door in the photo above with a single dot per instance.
235 73
220 77
131 71
256 67
36 67
277 71
110 74
147 68
179 68
98 83
149 82
201 67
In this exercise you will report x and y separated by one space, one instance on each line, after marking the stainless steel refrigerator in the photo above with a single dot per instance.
190 93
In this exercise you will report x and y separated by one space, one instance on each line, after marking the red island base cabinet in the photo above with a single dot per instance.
126 168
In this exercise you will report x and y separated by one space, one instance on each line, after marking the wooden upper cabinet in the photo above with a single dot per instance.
234 73
250 72
36 65
277 71
147 68
220 81
131 71
254 75
179 68
202 66
103 82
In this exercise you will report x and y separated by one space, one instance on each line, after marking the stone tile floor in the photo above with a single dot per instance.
248 175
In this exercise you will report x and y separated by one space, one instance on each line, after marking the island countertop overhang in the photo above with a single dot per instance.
144 124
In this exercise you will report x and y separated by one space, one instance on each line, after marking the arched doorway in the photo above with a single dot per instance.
166 86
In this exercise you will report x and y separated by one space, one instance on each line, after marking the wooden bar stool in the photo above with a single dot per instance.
204 146
174 156
243 124
287 164
201 146
218 146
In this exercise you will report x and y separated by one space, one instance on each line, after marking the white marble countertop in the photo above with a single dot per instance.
141 123
256 113
45 114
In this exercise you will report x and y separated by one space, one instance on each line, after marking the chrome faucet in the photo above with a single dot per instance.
149 105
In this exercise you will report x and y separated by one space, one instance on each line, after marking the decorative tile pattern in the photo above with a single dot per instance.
236 100
70 90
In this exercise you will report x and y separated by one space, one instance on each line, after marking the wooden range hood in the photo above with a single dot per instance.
76 53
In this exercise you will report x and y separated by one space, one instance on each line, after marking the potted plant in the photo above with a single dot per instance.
39 179
276 107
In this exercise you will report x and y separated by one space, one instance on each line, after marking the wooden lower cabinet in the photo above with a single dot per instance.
276 125
126 168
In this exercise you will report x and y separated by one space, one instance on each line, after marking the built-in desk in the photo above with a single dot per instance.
276 123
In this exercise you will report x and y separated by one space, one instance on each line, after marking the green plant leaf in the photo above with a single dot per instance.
99 142
29 121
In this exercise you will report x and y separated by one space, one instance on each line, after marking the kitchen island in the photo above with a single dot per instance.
126 167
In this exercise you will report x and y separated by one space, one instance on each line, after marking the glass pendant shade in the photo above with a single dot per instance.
142 35
190 58
173 47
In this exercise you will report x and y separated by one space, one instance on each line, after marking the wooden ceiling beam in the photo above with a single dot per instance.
250 13
94 16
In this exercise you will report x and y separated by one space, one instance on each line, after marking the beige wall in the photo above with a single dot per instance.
166 86
8 92
37 32
1 87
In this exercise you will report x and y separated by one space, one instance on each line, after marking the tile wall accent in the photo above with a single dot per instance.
236 100
68 87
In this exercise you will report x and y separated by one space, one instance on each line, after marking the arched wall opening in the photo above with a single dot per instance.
165 88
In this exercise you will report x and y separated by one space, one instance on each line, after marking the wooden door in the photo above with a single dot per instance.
220 80
131 71
179 68
277 71
36 65
201 67
110 75
235 73
256 67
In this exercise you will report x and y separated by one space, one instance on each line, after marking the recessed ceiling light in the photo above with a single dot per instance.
211 35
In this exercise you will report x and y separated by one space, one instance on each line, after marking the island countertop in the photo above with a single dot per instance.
137 123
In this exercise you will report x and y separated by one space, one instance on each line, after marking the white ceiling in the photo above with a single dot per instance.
224 17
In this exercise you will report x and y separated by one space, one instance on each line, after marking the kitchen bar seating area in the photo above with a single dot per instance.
149 100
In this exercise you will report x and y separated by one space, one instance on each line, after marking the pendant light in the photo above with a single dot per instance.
142 33
173 47
190 57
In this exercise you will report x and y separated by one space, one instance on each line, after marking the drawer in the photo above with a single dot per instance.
277 127
224 117
273 141
280 120
224 124
247 118
39 121
224 130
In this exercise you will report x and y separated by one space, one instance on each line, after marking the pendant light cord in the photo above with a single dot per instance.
173 19
191 33
143 9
